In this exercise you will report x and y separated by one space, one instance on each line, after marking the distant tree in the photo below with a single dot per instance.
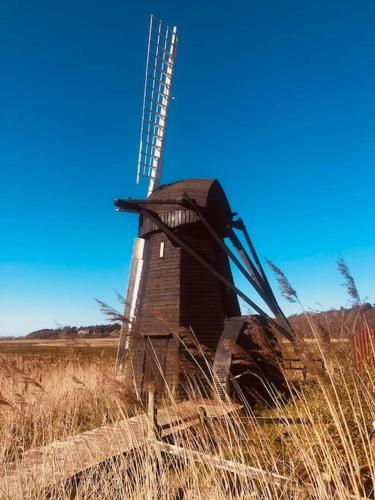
366 306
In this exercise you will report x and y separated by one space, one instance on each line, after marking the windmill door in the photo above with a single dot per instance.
155 362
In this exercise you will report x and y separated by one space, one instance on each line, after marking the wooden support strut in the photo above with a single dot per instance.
276 309
138 206
210 229
153 431
239 224
229 466
261 285
202 260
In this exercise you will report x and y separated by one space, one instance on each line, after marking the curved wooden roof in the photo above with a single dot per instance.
204 191
207 193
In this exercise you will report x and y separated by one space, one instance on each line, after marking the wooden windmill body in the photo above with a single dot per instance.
180 274
176 290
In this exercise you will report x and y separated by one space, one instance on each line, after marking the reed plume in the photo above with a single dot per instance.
111 313
349 282
286 288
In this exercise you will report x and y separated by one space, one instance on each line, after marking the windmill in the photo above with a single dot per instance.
180 273
160 64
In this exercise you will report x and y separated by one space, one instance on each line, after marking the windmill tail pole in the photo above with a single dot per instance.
239 224
251 273
259 282
267 292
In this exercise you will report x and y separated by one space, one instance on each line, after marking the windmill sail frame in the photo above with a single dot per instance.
160 64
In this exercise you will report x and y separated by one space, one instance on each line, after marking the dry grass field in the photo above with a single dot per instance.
56 389
52 389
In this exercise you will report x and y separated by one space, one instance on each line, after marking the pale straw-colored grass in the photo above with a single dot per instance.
326 455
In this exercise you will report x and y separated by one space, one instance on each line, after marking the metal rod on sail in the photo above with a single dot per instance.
161 57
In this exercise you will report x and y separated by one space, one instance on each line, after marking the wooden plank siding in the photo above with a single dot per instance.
176 290
159 301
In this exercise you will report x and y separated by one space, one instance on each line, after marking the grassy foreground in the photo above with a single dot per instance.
329 453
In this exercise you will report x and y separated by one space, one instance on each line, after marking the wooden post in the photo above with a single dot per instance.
202 415
151 412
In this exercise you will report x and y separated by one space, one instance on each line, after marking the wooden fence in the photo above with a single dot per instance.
295 370
363 344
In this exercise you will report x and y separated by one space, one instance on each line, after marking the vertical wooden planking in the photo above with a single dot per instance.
363 344
175 289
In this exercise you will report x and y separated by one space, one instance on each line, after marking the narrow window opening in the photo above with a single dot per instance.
162 247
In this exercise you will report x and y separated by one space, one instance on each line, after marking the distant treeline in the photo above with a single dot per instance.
338 322
92 331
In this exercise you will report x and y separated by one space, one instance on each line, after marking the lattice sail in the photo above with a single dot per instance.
161 57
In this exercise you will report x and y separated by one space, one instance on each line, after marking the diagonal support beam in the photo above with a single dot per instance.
202 260
259 282
251 274
239 224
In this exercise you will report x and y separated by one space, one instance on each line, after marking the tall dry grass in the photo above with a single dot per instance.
328 454
46 397
321 448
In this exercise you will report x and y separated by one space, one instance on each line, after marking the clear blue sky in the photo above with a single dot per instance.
275 99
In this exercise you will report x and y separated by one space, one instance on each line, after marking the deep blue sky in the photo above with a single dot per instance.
275 99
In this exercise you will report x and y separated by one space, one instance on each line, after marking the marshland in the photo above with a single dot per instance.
319 441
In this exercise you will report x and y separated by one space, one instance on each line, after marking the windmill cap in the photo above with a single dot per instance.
207 194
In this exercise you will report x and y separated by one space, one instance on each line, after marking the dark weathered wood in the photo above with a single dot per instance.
207 193
295 370
176 290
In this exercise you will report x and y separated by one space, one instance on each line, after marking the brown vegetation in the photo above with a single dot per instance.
321 447
339 323
46 397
